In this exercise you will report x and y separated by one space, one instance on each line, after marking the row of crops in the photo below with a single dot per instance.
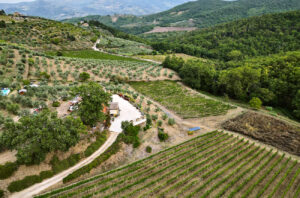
30 66
179 99
215 164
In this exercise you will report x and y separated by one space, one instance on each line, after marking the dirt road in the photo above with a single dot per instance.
38 188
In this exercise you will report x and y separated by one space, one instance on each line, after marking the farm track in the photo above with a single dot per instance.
212 165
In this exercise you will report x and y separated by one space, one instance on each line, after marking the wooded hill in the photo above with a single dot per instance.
201 14
256 36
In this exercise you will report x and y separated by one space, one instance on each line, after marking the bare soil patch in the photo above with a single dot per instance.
267 130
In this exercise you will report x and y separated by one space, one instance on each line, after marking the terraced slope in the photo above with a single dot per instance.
212 165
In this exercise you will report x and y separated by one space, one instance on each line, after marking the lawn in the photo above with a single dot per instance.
180 100
161 58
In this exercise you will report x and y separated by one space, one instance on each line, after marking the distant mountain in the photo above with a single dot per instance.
201 14
61 9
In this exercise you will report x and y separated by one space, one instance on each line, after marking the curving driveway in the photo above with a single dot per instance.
38 188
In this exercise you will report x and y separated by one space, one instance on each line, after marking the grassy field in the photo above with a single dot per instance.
180 100
212 165
161 58
91 54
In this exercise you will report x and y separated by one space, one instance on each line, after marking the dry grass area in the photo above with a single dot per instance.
160 58
267 130
170 29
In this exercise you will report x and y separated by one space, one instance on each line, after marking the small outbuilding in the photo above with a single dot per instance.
22 91
114 109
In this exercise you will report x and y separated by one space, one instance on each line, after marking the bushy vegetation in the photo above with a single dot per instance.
273 79
113 149
177 98
100 140
36 135
131 133
8 169
162 136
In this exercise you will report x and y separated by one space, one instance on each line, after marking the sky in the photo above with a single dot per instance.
13 1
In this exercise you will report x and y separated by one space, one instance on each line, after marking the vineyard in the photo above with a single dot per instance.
179 99
211 165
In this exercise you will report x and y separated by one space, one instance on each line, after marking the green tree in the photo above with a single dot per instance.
255 103
36 135
84 76
93 100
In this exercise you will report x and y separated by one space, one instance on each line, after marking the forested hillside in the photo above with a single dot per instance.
201 14
256 36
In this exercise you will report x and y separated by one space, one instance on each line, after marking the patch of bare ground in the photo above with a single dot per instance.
8 156
267 130
170 29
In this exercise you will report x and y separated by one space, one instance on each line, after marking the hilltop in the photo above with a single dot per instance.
255 36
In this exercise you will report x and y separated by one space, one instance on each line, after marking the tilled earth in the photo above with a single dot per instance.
267 130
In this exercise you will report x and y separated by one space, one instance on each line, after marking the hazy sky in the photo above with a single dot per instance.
13 1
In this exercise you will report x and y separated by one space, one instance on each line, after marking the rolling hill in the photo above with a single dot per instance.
56 9
256 36
201 14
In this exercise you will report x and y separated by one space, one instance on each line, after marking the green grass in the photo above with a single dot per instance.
91 54
180 100
215 162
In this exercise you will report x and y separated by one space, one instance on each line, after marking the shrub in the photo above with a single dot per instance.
55 104
255 103
46 174
19 185
84 76
148 149
171 121
13 108
162 135
159 123
101 138
165 116
2 24
154 117
59 166
26 82
1 193
7 169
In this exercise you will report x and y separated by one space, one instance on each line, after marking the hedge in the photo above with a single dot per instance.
57 166
101 138
8 169
113 149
